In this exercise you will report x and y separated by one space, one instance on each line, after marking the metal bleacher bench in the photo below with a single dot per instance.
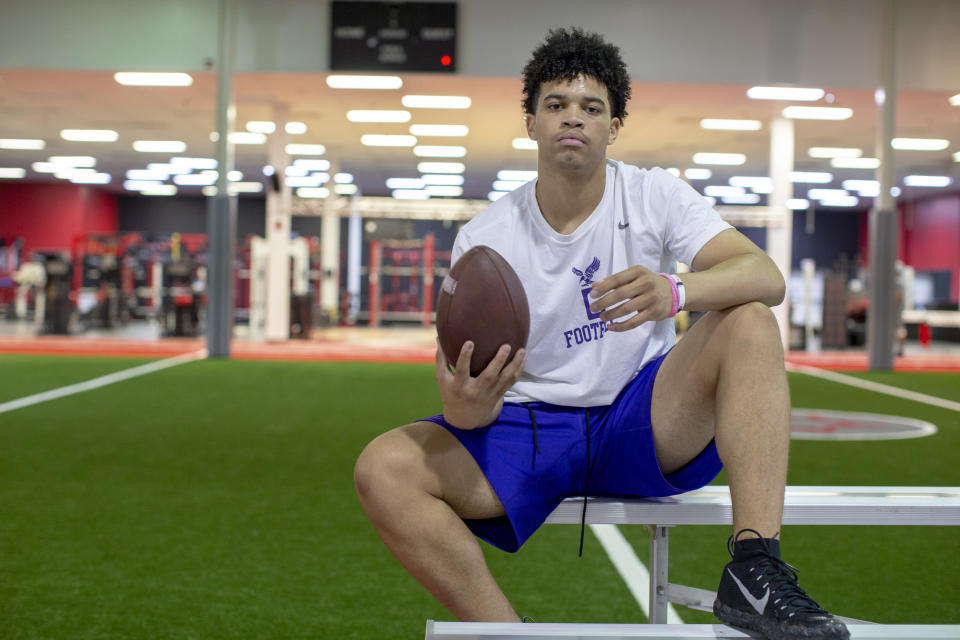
803 505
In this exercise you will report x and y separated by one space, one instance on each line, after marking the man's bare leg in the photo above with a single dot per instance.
416 483
726 379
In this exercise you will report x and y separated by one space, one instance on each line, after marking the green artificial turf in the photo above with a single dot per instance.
215 500
23 375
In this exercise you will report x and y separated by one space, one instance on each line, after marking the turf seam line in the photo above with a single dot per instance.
876 386
630 568
102 381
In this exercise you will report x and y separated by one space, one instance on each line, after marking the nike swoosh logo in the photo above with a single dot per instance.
621 225
759 604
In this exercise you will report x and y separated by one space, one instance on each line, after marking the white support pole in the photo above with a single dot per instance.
330 256
780 235
354 260
278 234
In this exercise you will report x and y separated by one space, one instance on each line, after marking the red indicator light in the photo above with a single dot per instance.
446 61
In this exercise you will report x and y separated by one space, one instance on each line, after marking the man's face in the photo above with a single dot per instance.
572 123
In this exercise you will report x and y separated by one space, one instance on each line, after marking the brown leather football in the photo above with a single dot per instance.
482 300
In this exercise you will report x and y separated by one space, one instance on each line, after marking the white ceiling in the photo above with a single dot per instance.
662 127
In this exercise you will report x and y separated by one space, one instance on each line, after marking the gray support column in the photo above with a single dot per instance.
780 233
659 573
278 233
884 221
330 253
222 208
354 260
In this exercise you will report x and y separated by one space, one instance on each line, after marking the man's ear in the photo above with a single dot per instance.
614 130
530 121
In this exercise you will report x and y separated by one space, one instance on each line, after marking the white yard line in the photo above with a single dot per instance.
630 568
875 386
102 381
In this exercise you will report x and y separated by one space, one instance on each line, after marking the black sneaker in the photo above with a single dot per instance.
759 591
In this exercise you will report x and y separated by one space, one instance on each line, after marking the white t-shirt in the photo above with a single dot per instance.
647 218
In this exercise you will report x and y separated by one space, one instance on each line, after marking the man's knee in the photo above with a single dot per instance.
751 325
385 463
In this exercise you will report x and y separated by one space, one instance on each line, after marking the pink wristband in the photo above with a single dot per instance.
674 292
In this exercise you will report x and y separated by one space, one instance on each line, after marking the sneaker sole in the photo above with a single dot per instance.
770 629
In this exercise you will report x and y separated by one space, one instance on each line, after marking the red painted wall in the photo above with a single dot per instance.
50 216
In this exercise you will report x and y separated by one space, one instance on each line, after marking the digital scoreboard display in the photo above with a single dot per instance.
393 36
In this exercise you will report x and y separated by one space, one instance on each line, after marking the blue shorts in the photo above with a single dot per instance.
531 483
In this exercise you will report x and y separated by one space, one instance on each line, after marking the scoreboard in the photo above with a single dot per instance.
393 36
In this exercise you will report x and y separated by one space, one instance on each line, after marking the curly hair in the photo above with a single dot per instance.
567 53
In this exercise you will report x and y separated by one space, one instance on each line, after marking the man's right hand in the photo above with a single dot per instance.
470 403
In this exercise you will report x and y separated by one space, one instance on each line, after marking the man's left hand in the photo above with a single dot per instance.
636 289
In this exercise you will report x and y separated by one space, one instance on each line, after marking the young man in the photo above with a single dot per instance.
602 402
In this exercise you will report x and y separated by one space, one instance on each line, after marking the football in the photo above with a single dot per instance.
482 300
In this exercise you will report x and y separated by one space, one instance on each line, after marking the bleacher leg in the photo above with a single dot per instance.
659 576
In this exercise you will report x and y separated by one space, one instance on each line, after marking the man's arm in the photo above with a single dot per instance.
728 270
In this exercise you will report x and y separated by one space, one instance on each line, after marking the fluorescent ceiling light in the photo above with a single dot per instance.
508 185
834 152
758 184
796 112
794 94
514 174
244 187
826 194
444 191
730 125
295 172
343 178
927 181
305 149
345 189
312 164
247 137
91 178
66 173
209 191
364 82
798 204
194 163
137 185
12 172
525 144
135 79
196 179
45 167
261 126
73 161
744 198
439 151
313 192
404 183
919 144
956 156
442 130
303 181
377 115
147 174
162 190
721 191
697 174
866 188
442 179
234 176
855 163
295 128
731 159
840 201
373 140
435 102
22 143
322 176
410 194
811 177
673 171
493 196
955 100
441 167
159 146
89 135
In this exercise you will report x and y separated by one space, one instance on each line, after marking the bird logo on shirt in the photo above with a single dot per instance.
586 276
